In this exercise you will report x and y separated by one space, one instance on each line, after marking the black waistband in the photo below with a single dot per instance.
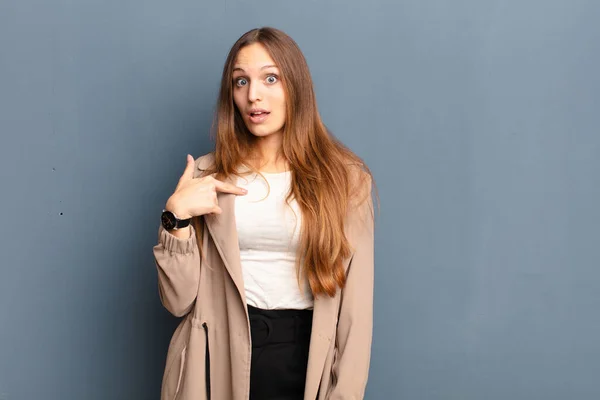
279 326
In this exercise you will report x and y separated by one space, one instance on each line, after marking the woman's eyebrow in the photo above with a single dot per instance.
264 67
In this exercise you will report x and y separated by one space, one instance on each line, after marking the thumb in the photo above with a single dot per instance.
188 173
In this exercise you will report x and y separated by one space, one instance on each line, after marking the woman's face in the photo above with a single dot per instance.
258 92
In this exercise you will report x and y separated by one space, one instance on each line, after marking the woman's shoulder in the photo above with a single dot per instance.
359 176
203 164
205 161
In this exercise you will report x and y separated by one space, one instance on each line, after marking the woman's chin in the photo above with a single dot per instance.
262 131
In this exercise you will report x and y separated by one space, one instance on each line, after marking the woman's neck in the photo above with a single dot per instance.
268 156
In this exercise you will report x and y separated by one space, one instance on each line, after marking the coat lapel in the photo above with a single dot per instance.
324 320
223 230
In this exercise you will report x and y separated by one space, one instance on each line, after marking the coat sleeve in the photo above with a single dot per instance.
178 264
355 322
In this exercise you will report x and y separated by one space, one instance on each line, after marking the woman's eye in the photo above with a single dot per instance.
271 79
240 81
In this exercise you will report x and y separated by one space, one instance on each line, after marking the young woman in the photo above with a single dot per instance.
266 245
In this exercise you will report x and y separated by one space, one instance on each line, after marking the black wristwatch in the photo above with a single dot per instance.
171 222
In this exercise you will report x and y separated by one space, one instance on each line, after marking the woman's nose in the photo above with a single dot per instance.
254 92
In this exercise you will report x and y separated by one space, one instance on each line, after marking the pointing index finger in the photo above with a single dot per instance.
229 188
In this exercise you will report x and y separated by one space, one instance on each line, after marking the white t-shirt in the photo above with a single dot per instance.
268 233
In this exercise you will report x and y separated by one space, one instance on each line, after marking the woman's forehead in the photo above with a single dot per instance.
253 56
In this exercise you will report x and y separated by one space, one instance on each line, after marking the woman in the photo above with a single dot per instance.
266 245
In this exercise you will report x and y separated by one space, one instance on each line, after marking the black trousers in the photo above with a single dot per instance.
280 342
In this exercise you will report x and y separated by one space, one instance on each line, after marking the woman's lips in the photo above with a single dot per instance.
258 117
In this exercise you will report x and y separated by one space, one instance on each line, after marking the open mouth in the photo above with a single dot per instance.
258 116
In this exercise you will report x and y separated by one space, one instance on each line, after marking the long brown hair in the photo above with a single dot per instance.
323 169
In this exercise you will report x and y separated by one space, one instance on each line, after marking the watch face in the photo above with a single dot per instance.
168 220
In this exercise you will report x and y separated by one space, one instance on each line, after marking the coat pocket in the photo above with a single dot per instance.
334 377
176 361
207 361
174 373
181 367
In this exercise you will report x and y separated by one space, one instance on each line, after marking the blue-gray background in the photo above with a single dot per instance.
479 118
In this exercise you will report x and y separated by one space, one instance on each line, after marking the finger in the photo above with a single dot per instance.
216 210
229 188
188 173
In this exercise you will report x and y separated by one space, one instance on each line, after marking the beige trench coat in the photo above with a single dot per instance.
210 351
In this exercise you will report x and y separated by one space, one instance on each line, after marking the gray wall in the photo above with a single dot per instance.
480 120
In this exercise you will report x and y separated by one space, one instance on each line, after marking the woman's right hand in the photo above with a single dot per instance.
198 196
